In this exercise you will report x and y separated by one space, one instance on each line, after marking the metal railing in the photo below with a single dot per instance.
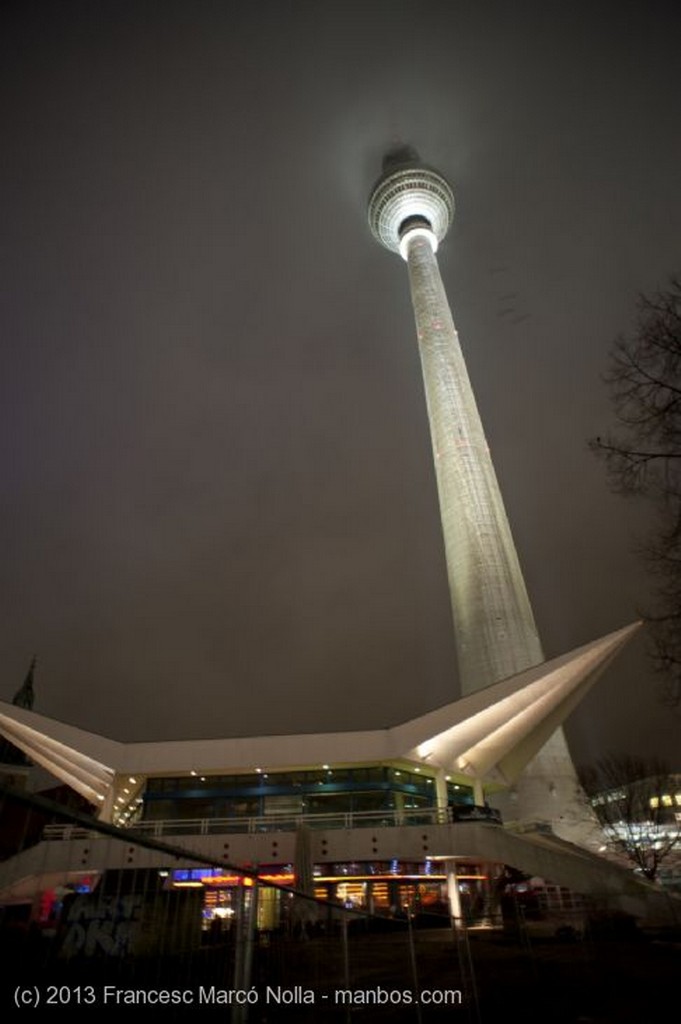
287 823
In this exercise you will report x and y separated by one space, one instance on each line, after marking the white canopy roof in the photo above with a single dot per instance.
490 735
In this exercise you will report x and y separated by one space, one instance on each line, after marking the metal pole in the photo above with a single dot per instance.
236 1016
249 942
346 963
414 970
243 963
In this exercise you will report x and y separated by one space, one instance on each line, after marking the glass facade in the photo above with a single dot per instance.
313 791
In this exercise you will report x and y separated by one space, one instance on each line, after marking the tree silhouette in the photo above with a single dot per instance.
643 457
636 802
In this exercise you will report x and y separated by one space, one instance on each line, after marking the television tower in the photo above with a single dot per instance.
410 211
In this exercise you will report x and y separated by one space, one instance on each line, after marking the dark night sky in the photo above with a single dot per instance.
218 511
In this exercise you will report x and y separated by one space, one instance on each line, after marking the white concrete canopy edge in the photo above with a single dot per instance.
490 734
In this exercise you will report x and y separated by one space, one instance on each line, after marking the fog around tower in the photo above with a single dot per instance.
401 155
219 511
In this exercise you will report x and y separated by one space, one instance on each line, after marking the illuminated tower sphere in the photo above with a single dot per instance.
410 211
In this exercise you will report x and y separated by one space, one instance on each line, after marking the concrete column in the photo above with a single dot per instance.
453 894
441 789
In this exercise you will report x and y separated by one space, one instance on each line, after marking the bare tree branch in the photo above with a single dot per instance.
635 800
643 458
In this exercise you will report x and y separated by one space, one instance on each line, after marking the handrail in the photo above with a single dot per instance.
284 823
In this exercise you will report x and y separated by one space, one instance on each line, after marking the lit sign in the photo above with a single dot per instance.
216 876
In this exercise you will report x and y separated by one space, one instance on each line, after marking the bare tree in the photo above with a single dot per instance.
643 457
635 800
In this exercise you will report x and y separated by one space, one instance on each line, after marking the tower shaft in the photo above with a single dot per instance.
494 629
495 632
410 211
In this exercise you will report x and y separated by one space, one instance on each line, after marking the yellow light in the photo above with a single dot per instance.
387 878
